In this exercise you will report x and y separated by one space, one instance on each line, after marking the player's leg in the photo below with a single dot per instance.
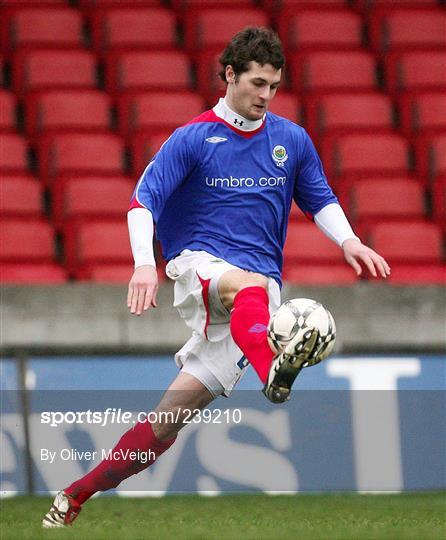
245 295
185 394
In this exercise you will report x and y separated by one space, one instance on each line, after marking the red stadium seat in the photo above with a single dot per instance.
332 71
140 28
313 274
319 29
8 104
419 70
27 240
94 241
67 110
305 242
428 274
405 29
89 4
20 196
207 68
407 242
180 5
46 69
13 154
200 26
288 106
45 27
76 153
439 200
149 70
431 156
32 3
389 4
347 112
365 154
32 274
117 274
390 198
155 112
143 146
422 113
91 196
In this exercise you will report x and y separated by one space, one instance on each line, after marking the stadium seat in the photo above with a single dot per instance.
405 29
306 243
13 154
143 146
140 28
314 274
365 154
348 112
380 198
430 153
288 106
32 274
46 69
149 70
20 196
319 29
8 105
90 196
419 70
81 154
439 200
423 113
96 241
410 274
187 5
32 3
332 71
89 4
154 112
67 110
200 26
207 68
365 5
27 240
35 27
407 242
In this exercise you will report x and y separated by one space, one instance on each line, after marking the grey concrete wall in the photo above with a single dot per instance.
83 317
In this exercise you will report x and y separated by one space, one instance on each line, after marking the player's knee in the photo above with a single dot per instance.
236 280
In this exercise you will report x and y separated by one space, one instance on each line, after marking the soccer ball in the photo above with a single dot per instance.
296 316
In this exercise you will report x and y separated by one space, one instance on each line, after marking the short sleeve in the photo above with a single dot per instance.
172 164
311 192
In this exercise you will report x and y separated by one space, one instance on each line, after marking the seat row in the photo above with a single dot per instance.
77 197
298 26
106 153
58 111
99 251
322 71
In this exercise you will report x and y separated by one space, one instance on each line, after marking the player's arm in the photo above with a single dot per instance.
332 221
143 285
315 197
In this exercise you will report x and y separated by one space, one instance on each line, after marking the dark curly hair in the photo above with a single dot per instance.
258 44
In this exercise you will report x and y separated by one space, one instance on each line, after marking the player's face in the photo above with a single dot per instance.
250 93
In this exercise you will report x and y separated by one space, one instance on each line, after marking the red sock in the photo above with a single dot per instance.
112 471
249 321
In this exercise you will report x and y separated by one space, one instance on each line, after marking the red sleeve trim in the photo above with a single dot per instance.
135 204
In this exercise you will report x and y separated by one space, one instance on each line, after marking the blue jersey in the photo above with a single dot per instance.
212 187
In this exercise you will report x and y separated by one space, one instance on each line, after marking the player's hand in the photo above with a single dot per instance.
142 289
355 253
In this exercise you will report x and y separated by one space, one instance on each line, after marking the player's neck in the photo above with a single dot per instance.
222 110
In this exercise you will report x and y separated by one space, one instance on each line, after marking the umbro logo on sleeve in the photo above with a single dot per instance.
215 140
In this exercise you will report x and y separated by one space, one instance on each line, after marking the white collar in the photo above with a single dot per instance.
228 115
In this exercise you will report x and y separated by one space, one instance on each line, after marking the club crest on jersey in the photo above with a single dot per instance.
279 155
215 140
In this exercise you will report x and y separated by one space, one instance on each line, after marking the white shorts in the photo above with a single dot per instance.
211 354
